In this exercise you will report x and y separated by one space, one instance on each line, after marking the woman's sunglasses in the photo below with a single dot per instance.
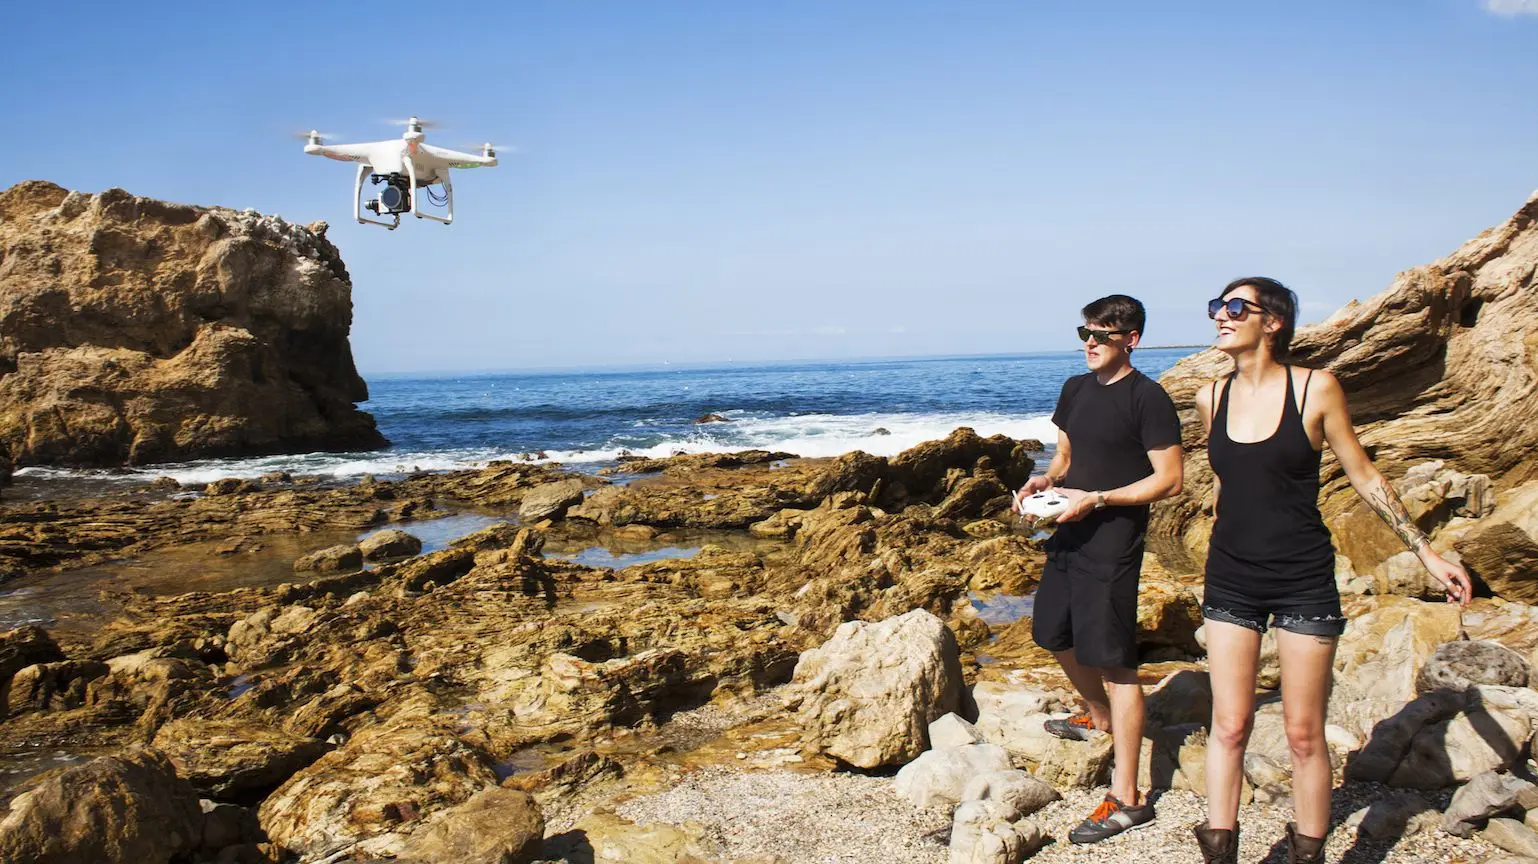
1101 336
1237 308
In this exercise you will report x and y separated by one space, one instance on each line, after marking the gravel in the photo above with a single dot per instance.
840 817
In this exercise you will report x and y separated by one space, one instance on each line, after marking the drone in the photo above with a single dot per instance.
403 165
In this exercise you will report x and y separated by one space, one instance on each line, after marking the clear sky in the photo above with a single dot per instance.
712 181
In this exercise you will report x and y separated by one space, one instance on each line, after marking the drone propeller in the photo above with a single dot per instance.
507 149
324 136
425 124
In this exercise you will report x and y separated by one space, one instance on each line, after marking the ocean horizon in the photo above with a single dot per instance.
592 417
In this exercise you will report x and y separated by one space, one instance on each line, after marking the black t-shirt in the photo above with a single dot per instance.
1111 428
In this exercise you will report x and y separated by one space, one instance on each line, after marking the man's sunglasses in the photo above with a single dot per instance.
1101 336
1237 308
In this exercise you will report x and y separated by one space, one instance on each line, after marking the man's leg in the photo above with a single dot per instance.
1087 680
1127 731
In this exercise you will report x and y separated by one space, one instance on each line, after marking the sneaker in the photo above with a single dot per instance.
1111 818
1076 728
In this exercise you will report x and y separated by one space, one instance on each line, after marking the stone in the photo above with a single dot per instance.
550 501
1489 794
131 807
1446 738
495 826
1051 759
952 731
1181 697
1168 615
331 559
20 648
392 543
1502 549
1513 836
56 686
868 694
1394 815
1020 793
155 340
226 824
937 778
982 833
1460 665
234 760
602 837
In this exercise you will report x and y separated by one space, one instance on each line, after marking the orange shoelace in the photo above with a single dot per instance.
1107 808
1083 721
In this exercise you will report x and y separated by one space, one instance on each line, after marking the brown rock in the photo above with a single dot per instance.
1502 550
116 808
19 649
331 559
384 545
137 331
550 501
233 760
496 826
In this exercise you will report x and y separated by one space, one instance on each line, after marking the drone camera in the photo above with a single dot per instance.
394 198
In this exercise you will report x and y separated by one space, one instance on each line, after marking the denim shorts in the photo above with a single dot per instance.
1310 613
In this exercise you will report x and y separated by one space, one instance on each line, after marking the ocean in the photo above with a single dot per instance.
588 419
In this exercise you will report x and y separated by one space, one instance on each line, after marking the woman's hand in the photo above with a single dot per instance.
1453 578
1039 483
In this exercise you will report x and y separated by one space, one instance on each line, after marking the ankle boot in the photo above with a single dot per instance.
1219 845
1302 849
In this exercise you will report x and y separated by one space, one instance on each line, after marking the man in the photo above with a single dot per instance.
1118 450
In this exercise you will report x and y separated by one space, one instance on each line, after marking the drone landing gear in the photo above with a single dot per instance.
448 191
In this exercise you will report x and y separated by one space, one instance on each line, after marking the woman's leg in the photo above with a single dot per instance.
1308 662
1233 653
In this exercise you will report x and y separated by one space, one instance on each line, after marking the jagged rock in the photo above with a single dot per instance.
1439 363
938 777
604 838
230 486
550 501
1020 793
131 807
52 686
234 760
1380 655
137 331
983 833
19 649
1502 550
1397 814
868 694
1168 614
1182 697
331 559
1446 738
1460 665
1489 794
952 731
384 545
1513 836
496 826
227 824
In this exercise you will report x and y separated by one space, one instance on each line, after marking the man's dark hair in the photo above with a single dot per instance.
1118 311
1280 302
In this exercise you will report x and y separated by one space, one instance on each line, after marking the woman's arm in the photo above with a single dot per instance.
1376 491
1204 407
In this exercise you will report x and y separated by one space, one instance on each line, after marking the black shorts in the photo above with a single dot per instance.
1088 606
1311 609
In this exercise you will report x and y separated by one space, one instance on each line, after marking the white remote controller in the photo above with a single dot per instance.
1044 505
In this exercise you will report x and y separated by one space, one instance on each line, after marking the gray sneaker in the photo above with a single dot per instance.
1076 728
1111 818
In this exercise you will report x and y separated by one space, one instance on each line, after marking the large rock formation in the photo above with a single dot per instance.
136 331
1441 366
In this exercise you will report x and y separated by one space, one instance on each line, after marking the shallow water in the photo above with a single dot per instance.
999 609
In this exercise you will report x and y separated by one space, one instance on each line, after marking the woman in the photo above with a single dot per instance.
1271 561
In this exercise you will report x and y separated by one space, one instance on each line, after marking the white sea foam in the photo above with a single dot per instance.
810 435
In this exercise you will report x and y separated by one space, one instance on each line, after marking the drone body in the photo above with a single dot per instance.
404 165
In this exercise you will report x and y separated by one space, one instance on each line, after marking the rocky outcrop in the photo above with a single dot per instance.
136 331
1442 366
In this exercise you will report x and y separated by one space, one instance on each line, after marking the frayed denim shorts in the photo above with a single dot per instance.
1314 612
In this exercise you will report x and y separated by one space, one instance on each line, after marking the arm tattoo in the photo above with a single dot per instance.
1391 510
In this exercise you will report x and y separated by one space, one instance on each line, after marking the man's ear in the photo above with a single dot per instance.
1133 338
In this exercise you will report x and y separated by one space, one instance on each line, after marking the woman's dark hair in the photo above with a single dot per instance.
1280 302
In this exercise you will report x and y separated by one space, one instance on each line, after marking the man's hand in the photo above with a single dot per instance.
1080 504
1039 483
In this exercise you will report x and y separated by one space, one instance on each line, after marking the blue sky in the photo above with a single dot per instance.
729 181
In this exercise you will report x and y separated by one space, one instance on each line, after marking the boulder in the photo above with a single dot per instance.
1020 793
868 694
131 807
1168 615
982 833
137 331
1395 815
1446 738
495 826
1489 794
19 649
602 837
235 760
391 543
1502 550
52 686
939 777
1460 665
550 500
1513 836
331 559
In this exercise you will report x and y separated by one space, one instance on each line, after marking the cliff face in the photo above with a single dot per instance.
136 331
1442 366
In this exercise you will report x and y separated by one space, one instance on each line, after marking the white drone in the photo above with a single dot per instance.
404 165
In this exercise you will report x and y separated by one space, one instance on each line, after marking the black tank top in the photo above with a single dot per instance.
1269 536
